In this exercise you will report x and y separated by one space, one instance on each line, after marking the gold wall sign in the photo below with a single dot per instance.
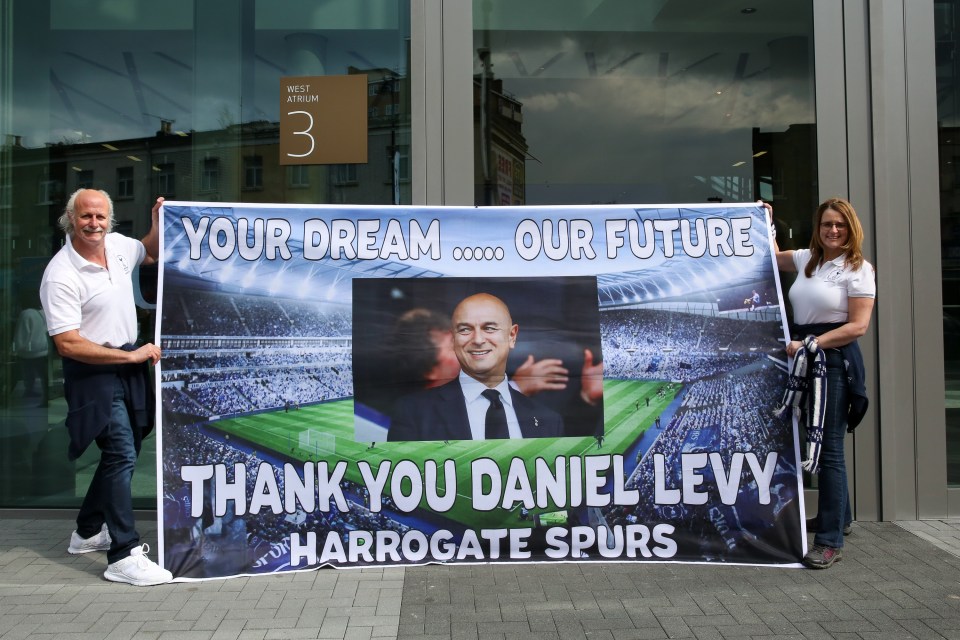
323 120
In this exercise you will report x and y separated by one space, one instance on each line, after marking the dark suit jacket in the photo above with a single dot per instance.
441 414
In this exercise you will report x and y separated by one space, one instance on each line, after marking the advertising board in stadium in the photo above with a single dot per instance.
325 379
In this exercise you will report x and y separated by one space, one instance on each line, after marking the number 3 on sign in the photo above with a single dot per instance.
305 132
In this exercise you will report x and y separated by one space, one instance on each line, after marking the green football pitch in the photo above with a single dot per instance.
626 418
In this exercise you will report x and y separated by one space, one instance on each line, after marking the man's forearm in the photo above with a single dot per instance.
72 345
151 241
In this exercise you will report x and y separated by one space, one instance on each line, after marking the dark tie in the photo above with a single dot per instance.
496 423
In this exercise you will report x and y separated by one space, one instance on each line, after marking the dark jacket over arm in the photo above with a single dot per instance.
856 371
88 389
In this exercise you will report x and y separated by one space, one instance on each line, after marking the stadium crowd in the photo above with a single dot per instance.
301 365
207 313
726 413
213 392
238 543
657 344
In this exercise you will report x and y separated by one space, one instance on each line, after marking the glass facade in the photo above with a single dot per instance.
620 102
631 102
612 101
947 25
178 99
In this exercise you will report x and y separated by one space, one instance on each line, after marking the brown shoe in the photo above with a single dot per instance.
822 557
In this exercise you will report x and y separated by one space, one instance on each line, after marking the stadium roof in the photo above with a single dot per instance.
329 279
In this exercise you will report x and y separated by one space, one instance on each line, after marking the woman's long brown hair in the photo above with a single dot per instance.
852 250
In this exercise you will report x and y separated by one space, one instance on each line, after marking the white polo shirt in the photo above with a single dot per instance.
823 297
78 294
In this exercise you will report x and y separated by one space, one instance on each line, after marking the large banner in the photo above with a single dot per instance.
357 386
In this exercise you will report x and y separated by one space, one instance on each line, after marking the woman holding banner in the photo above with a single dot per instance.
832 299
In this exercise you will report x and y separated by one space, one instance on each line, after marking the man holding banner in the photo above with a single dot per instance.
87 295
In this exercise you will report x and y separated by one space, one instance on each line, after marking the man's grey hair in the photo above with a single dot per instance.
69 212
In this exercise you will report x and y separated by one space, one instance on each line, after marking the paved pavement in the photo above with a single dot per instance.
896 580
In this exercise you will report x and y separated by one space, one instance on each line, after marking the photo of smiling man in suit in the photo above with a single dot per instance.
480 404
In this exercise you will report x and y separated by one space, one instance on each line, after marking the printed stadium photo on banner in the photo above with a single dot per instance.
368 386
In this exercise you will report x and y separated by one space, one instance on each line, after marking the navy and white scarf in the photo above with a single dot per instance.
806 392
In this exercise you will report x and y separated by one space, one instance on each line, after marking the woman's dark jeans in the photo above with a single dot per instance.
834 502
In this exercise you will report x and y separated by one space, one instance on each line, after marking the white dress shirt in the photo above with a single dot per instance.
477 406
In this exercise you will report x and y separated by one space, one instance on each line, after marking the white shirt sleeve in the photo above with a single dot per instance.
863 282
141 251
800 258
133 248
61 304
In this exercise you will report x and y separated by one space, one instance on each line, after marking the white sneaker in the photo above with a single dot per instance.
99 542
137 569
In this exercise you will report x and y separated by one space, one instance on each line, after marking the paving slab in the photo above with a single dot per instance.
896 580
